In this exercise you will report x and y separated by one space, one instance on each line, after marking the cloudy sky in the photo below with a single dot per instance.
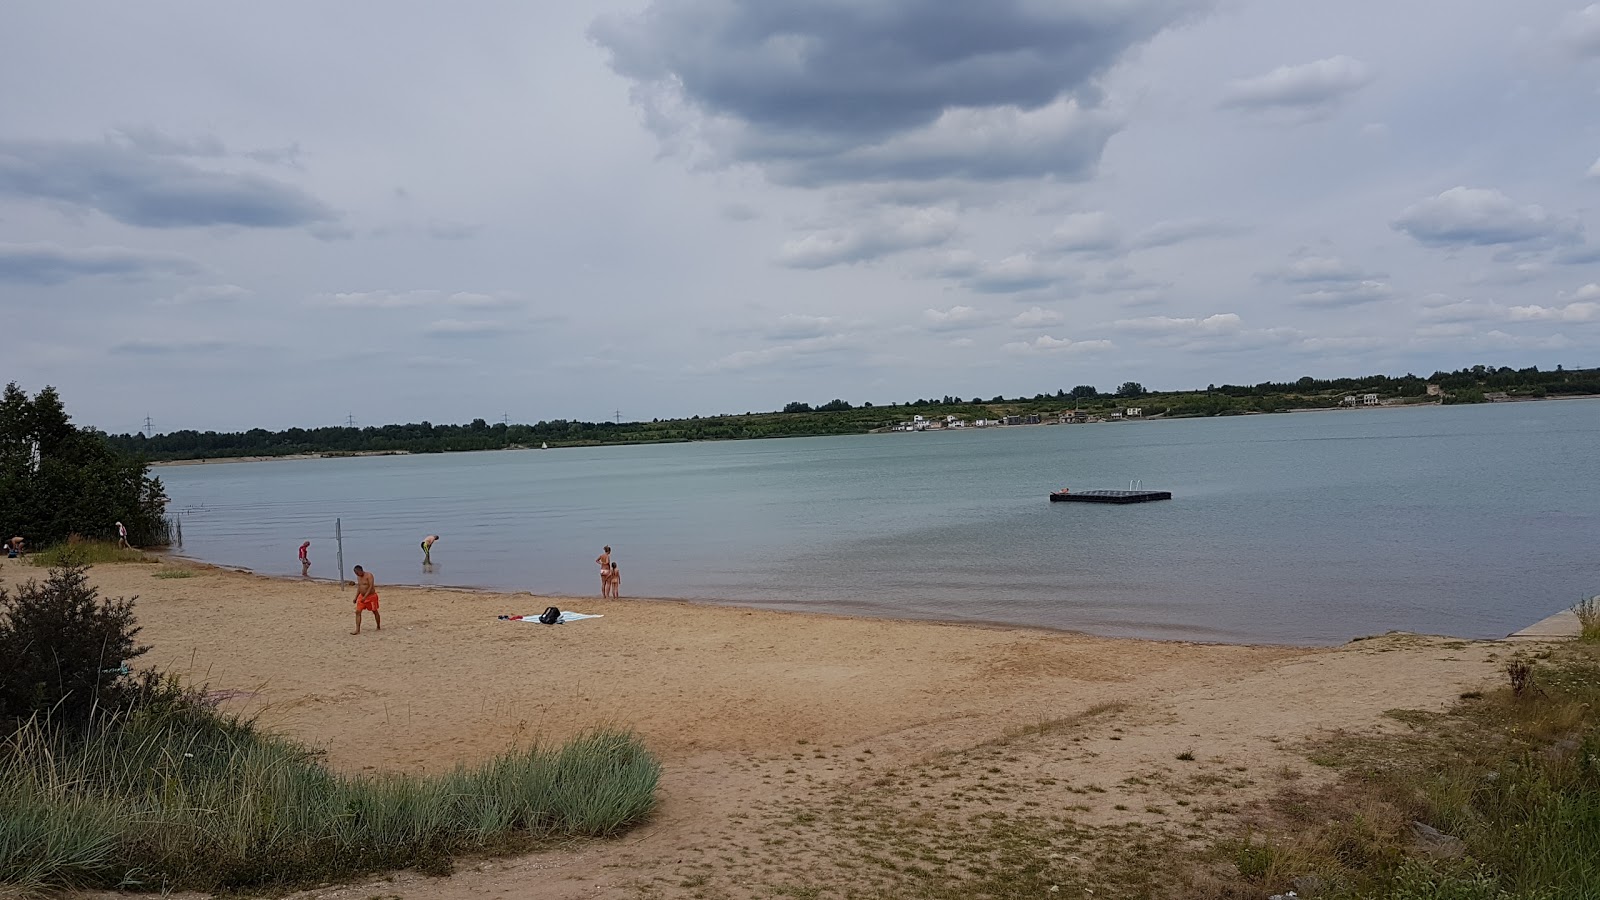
227 215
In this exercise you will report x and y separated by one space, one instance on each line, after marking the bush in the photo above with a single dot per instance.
1588 612
66 650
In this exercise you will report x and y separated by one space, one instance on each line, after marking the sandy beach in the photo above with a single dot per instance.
761 715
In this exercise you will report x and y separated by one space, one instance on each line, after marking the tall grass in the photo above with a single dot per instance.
86 553
183 798
1588 612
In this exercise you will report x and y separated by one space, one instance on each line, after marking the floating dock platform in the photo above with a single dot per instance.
1109 496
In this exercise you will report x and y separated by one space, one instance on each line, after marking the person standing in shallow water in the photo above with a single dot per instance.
305 559
615 577
604 559
366 598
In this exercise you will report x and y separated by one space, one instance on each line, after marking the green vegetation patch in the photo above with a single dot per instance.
188 799
1588 612
116 779
86 553
1497 799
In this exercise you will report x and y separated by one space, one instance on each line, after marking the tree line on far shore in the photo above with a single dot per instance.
838 416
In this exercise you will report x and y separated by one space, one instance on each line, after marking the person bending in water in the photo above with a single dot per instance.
366 598
604 559
427 549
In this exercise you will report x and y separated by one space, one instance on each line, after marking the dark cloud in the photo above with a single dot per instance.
135 186
43 263
1312 86
1465 216
834 91
1579 255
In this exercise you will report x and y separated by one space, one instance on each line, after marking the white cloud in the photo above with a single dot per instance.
464 328
1583 306
1311 86
205 294
1176 231
1463 216
1037 317
1594 170
953 319
809 351
375 299
1571 312
471 300
1318 269
1441 308
1213 324
1087 232
906 230
1016 273
1044 343
793 325
1349 294
412 299
1581 31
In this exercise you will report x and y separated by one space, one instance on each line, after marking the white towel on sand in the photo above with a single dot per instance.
565 617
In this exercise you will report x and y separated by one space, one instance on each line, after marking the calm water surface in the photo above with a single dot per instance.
1308 527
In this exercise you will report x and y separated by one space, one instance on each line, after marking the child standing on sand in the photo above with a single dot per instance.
614 579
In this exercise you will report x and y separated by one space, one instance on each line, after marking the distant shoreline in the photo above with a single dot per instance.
331 454
340 454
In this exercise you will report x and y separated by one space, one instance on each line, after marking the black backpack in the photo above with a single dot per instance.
550 616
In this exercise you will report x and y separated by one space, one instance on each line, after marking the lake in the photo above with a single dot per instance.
1295 528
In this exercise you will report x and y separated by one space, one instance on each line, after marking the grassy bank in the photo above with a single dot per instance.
86 553
1509 783
183 798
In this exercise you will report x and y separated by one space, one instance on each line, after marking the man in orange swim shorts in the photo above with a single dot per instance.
366 598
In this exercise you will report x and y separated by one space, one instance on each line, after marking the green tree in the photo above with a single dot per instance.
1130 389
797 407
1085 392
59 480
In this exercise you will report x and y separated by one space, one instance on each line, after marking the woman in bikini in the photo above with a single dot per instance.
604 559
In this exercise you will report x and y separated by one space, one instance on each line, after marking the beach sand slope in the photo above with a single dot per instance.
769 723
